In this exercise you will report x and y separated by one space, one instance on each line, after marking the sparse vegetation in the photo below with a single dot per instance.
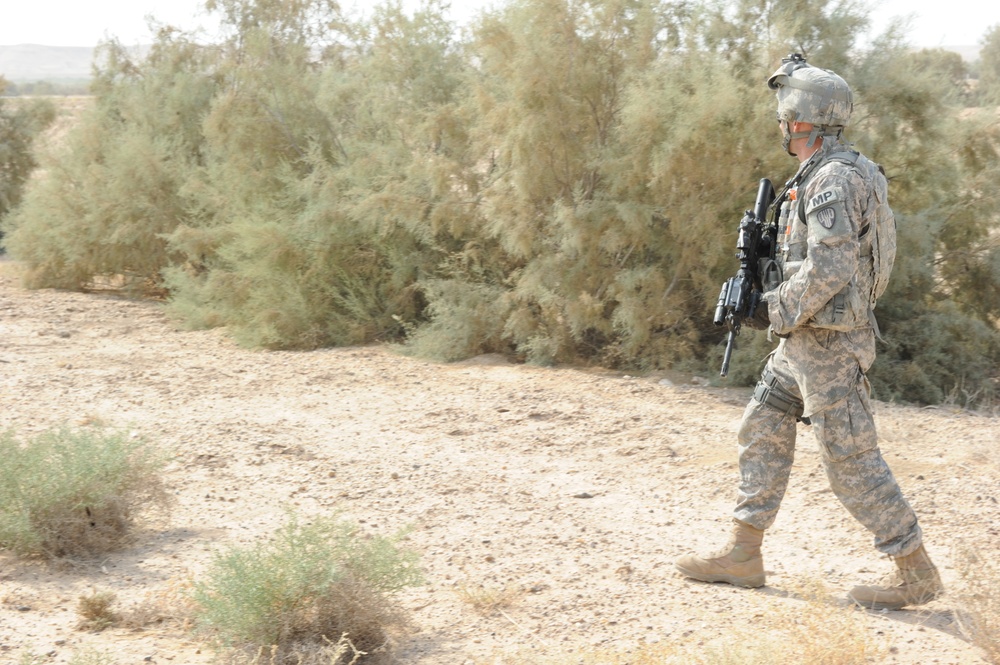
486 599
169 604
96 611
83 657
341 652
807 628
286 600
76 492
559 184
977 602
485 460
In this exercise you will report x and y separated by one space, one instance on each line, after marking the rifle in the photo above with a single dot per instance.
757 239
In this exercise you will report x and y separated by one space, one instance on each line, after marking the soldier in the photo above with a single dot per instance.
837 244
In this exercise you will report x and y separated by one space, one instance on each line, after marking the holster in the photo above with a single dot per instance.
768 391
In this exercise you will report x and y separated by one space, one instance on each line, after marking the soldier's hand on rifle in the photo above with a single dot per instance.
760 319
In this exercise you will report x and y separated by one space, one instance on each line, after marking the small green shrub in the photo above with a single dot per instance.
307 586
80 492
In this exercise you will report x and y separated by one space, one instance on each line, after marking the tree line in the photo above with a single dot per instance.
561 181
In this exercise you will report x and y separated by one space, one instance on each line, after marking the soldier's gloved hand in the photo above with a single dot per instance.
760 319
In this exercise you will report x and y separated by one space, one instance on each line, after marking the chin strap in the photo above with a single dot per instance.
833 131
817 131
790 136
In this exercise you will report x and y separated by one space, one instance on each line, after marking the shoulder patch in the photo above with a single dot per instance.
821 199
827 217
829 222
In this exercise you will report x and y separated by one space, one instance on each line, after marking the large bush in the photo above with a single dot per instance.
560 182
21 122
109 198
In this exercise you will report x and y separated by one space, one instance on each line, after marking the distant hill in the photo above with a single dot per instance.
968 53
25 63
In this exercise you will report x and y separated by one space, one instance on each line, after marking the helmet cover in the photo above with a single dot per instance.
810 94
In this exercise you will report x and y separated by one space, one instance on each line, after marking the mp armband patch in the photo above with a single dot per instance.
821 199
827 214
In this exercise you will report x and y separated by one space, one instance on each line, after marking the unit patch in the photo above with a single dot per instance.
827 217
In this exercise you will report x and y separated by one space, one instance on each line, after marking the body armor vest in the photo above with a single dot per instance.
875 226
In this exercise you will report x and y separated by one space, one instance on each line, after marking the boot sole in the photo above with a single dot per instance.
751 582
877 606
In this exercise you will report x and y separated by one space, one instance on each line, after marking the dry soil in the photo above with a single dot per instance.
565 492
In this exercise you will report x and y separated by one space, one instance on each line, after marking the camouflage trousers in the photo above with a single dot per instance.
858 476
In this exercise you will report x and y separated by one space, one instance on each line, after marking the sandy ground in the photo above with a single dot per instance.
567 491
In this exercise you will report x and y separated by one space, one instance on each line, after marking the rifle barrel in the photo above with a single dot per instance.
727 356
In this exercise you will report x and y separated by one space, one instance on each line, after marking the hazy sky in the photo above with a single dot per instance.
78 23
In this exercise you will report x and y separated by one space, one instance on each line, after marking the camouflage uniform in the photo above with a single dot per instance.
838 244
822 313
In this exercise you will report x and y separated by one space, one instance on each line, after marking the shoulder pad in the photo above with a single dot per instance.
845 156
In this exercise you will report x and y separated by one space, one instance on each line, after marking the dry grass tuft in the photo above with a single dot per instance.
977 601
82 657
168 605
343 652
488 600
96 611
808 627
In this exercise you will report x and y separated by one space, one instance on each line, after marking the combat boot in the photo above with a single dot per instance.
739 562
918 582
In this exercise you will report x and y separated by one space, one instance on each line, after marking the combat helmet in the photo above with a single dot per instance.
813 95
